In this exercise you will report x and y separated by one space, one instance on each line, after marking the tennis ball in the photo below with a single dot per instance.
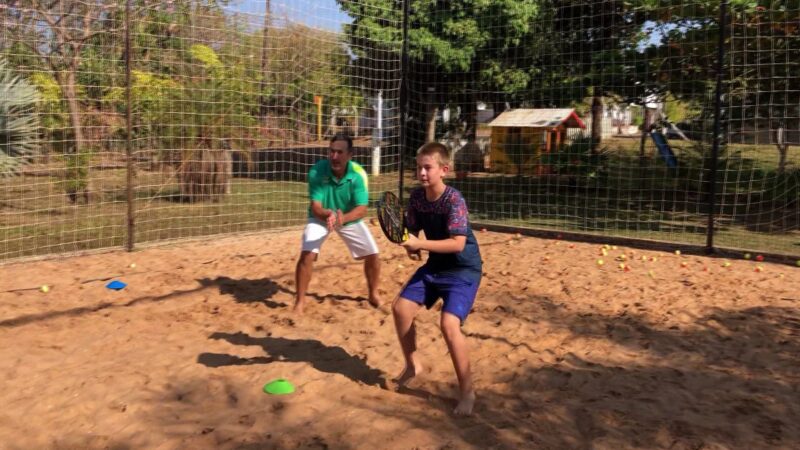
133 265
622 266
747 256
759 268
684 264
726 264
798 263
518 236
651 274
678 252
600 262
45 288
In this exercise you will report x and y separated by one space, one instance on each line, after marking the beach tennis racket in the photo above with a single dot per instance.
392 218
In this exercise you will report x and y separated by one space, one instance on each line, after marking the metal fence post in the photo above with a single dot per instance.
714 158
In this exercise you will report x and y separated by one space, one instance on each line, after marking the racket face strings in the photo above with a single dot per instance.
390 216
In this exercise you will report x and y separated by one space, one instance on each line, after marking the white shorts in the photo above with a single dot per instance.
356 236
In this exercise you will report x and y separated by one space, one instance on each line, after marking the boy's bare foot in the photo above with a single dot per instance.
465 405
408 373
298 308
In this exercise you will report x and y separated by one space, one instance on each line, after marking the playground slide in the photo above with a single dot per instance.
664 149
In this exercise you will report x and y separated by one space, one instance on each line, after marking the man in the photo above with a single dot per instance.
337 189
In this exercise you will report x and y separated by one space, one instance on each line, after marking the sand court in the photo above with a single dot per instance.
677 353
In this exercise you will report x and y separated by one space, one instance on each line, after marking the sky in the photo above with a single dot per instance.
324 14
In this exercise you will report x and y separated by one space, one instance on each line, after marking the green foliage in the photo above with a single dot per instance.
77 173
577 159
783 188
19 125
150 95
458 41
678 110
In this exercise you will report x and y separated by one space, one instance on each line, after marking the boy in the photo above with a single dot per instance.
452 271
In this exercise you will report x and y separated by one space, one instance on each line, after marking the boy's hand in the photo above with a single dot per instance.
415 255
412 245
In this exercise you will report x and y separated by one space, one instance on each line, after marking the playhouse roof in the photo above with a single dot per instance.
538 118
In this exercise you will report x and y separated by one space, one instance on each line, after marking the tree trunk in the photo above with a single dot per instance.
783 149
430 122
597 123
782 152
646 124
67 82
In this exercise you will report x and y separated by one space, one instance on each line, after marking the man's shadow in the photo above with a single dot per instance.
321 357
261 291
247 291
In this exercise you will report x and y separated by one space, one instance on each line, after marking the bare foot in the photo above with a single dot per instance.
298 308
408 374
375 301
465 405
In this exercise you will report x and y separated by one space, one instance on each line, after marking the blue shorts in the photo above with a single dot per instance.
458 294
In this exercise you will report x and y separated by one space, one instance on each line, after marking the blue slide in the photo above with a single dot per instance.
664 149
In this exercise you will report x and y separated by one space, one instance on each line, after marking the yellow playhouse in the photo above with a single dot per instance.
521 136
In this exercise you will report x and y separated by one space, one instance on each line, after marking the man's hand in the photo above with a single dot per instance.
339 218
335 219
332 220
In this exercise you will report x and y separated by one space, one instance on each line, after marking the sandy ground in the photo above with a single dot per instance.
567 354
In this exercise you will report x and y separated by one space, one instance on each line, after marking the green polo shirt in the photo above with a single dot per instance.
344 194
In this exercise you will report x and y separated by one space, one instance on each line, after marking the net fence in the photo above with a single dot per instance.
126 123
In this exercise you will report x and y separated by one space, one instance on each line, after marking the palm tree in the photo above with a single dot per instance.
19 125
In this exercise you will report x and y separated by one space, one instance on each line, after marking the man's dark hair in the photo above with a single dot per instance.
343 137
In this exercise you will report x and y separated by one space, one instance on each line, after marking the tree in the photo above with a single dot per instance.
591 53
760 85
56 32
456 50
19 127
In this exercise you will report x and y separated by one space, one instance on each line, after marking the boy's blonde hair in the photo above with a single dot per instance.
437 150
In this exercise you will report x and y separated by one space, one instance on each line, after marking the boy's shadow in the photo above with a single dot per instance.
321 357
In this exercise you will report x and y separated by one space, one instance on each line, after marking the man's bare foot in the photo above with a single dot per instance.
408 373
298 308
465 405
375 301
